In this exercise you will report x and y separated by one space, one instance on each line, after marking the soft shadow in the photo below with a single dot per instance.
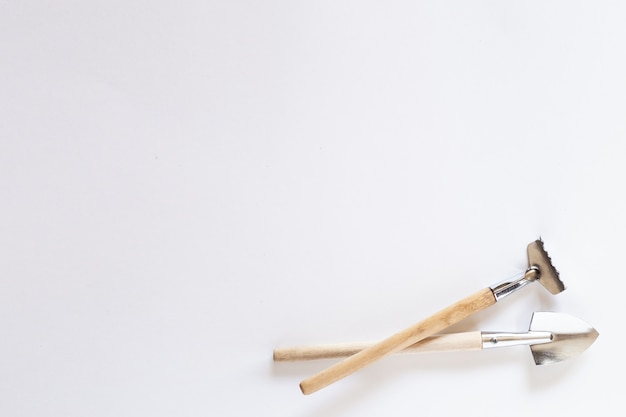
544 377
337 400
299 368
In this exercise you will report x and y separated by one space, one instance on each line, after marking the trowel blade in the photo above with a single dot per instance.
570 337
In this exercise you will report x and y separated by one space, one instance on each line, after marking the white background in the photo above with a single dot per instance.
185 186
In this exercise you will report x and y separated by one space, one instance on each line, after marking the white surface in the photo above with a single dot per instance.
185 186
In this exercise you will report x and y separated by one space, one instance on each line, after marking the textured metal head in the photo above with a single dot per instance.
548 275
570 337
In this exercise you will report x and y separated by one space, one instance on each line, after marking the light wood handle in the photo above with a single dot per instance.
439 343
427 327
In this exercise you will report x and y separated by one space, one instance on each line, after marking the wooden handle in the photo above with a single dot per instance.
427 327
438 343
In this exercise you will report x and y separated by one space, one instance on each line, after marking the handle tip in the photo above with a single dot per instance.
304 388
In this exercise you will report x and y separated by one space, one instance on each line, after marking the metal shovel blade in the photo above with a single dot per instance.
570 337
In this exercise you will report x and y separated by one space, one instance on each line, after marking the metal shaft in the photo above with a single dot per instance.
508 287
500 339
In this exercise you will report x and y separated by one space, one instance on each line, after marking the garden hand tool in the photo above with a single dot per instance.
552 337
540 269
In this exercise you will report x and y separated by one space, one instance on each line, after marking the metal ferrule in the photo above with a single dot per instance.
508 287
495 339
